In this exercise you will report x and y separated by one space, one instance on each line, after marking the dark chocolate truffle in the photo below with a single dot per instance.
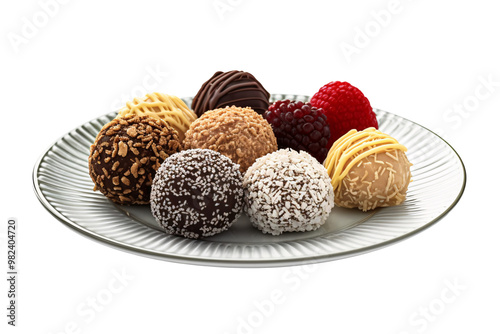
197 193
126 154
236 88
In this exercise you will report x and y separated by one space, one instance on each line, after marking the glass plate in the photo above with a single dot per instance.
63 186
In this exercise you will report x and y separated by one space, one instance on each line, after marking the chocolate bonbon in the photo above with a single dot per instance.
125 155
197 193
236 88
239 133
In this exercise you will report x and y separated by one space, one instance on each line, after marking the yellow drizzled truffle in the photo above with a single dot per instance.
368 169
168 108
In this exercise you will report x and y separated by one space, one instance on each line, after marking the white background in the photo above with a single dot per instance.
425 61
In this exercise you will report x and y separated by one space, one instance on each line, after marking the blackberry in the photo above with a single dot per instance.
300 126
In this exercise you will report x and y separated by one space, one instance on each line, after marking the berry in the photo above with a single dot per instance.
346 108
299 126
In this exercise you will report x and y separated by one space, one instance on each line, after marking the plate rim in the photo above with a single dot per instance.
238 263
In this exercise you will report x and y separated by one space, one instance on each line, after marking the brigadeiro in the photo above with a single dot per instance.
287 191
126 154
197 193
239 133
236 88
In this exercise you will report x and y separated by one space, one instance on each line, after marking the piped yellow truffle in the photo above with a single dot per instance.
368 169
168 108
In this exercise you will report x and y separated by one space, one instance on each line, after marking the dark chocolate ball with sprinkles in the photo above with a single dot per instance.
126 154
197 193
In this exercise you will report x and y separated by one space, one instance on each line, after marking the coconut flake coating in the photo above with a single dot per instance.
126 154
287 191
239 133
197 193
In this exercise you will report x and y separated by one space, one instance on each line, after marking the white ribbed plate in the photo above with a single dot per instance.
63 186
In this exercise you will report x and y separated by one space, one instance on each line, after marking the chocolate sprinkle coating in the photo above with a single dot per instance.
239 133
287 191
197 193
236 88
126 154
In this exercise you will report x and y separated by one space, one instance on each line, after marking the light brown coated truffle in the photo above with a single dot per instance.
126 154
379 180
369 169
239 133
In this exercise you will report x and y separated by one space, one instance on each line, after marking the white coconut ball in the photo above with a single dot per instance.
287 191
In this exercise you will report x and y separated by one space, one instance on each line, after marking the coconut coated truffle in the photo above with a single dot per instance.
126 154
287 191
368 169
238 133
197 193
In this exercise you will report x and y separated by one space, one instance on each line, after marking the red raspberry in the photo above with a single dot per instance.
299 126
345 107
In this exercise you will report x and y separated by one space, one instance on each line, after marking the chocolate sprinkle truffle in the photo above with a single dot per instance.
239 133
287 191
236 88
125 155
197 193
